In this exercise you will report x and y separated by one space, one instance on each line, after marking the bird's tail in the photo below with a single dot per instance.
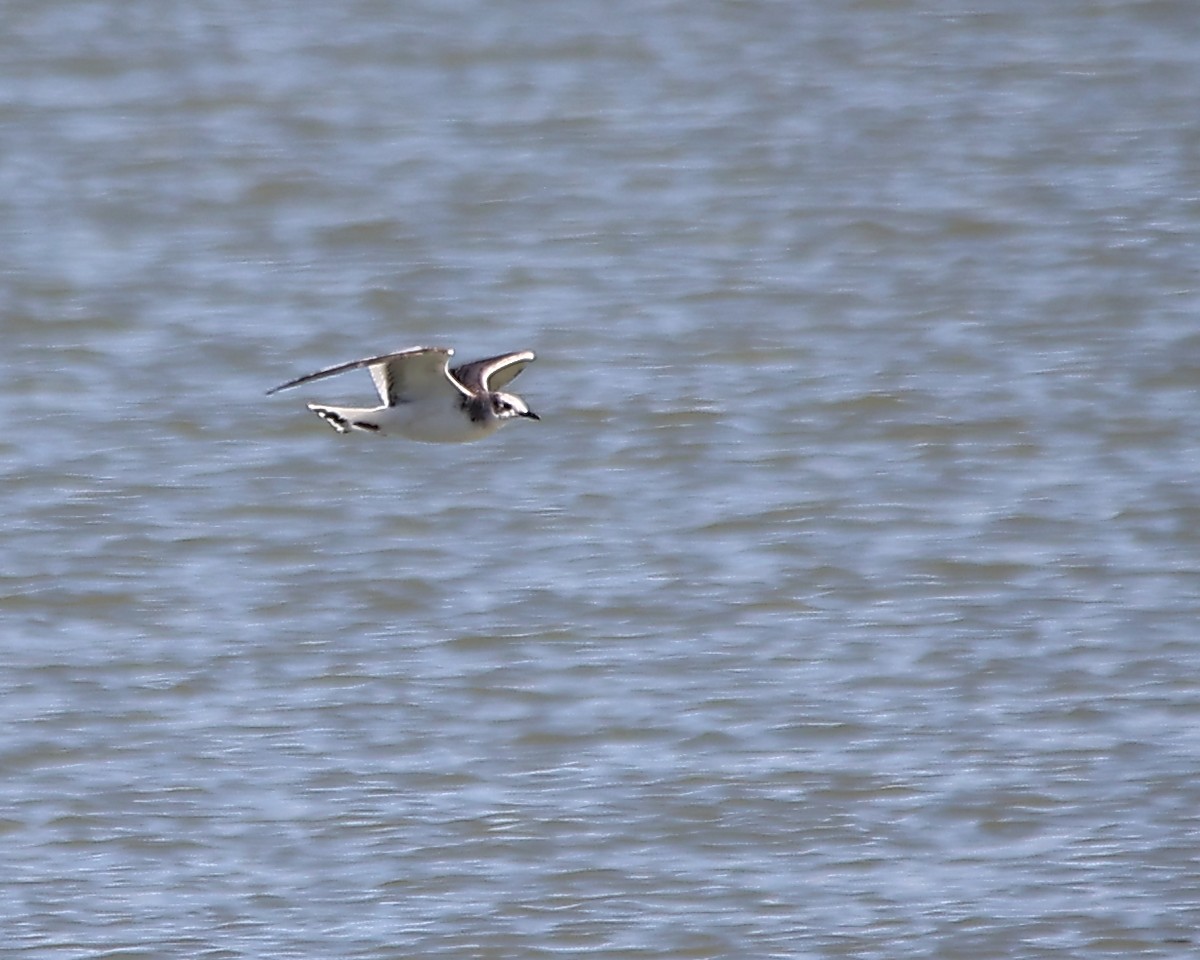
346 419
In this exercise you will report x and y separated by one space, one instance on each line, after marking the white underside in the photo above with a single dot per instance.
427 422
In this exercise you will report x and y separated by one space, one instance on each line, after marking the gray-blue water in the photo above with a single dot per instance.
845 601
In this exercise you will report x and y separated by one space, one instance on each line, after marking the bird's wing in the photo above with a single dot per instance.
414 375
395 374
494 373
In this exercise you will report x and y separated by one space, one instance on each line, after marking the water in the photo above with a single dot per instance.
844 602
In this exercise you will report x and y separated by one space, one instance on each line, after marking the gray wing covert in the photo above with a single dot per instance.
493 373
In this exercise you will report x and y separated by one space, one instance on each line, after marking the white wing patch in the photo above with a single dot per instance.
439 355
413 377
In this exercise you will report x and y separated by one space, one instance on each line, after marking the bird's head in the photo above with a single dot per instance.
506 406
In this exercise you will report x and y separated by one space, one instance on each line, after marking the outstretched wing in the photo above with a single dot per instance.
414 375
397 375
494 373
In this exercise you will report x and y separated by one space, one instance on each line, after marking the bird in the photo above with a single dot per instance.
424 399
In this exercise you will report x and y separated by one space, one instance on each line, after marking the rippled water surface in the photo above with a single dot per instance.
844 602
